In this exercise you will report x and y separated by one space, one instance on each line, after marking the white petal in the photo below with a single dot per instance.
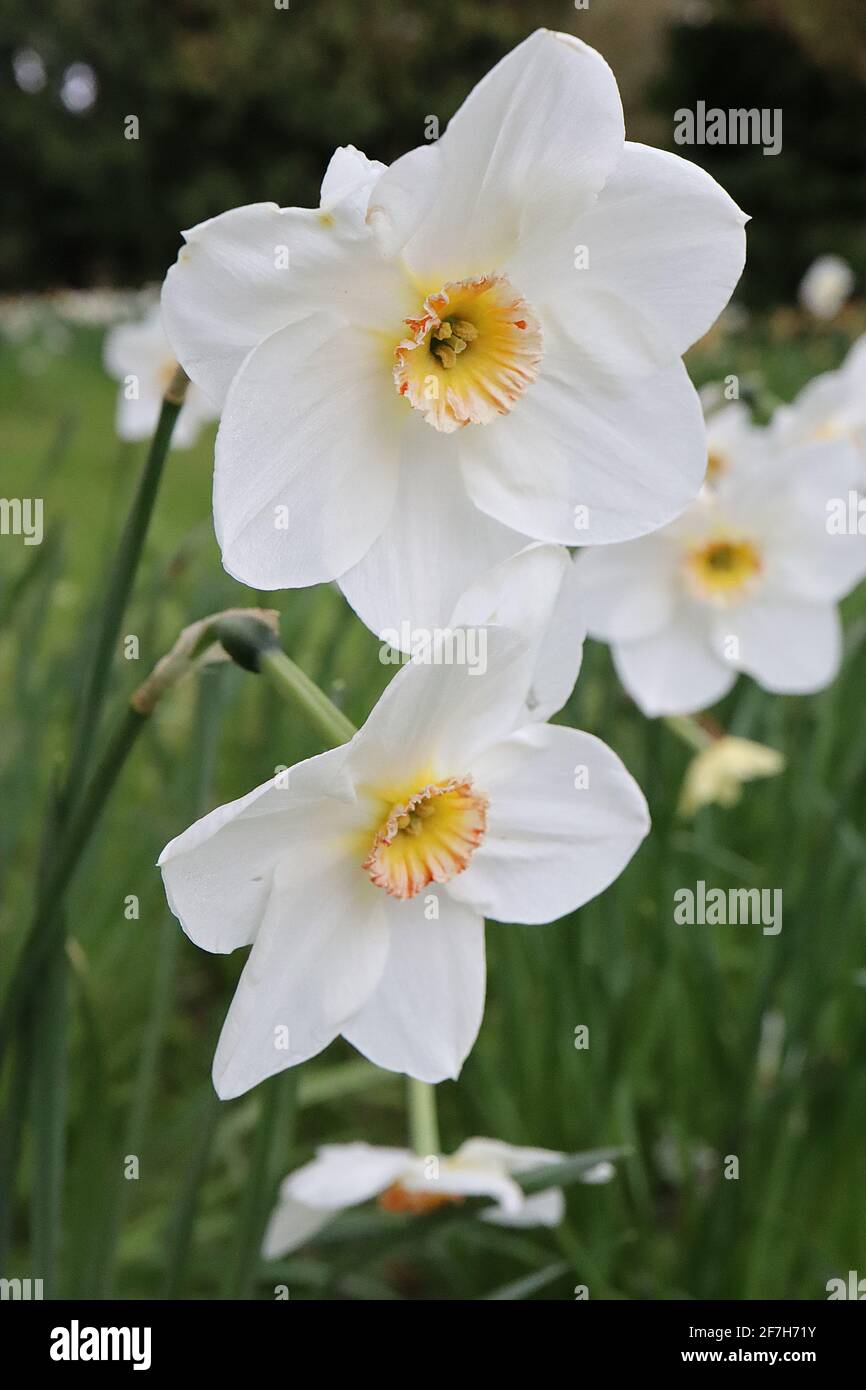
195 412
515 1158
139 349
535 594
460 1179
425 1013
560 652
218 873
291 1225
628 590
253 270
306 456
344 1175
546 123
434 719
823 568
136 419
434 545
317 956
540 1209
665 238
586 460
348 179
674 671
808 559
788 646
564 819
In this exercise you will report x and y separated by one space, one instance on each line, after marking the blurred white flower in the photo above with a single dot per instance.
346 1175
363 876
733 442
139 357
717 773
79 88
29 70
495 322
830 406
826 285
746 580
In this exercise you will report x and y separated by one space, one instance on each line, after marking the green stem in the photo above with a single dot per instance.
423 1122
10 1145
49 1105
686 727
119 586
296 685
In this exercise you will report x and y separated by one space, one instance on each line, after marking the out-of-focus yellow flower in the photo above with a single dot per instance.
718 772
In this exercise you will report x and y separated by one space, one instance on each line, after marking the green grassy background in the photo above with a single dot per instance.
704 1041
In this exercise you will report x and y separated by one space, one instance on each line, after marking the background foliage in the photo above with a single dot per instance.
241 102
704 1042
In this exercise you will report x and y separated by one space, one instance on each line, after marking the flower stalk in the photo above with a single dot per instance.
423 1120
687 728
120 581
292 682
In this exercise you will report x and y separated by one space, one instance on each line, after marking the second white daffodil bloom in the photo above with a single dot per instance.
138 355
361 879
342 1176
748 580
477 346
830 406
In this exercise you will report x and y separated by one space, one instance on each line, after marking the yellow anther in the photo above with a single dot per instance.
465 330
447 356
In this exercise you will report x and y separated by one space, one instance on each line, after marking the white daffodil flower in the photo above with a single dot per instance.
826 285
346 1175
746 580
830 406
477 346
138 355
362 878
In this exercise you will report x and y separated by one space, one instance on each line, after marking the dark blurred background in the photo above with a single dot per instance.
239 101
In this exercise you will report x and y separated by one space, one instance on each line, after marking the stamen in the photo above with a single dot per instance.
716 467
399 1198
722 569
428 838
497 338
